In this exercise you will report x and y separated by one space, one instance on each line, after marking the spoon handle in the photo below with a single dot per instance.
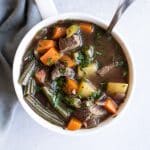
120 10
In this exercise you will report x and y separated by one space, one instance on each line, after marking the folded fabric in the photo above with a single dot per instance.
16 18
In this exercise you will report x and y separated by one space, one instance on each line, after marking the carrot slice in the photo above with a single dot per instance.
74 124
59 32
68 61
110 105
50 57
86 27
71 86
44 45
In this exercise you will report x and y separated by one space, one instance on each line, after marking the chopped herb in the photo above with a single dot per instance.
89 51
98 35
103 85
57 84
99 53
83 59
83 71
79 96
96 95
109 38
113 59
62 70
119 63
49 61
99 64
65 62
80 56
125 72
60 81
45 37
88 103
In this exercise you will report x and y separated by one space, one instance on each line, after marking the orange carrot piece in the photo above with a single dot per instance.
68 61
50 57
44 45
86 27
71 86
110 105
74 124
59 32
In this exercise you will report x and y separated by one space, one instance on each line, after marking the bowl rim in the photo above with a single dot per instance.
18 59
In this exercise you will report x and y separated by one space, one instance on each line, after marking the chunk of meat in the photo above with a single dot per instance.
61 70
97 114
118 97
106 69
86 113
96 110
40 76
82 114
66 44
100 100
69 73
92 122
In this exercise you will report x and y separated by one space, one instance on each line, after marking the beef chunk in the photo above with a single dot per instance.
82 114
92 122
86 113
101 99
61 70
40 76
96 110
106 69
98 114
118 97
66 44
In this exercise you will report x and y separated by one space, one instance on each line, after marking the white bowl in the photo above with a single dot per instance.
18 63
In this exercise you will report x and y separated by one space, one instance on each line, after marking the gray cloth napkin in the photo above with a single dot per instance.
16 18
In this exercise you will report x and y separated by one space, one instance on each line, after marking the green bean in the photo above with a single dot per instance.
30 88
27 73
28 55
44 111
56 103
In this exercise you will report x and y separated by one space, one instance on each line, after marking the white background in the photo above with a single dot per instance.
132 131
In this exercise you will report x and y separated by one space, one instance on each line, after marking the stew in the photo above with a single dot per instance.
74 75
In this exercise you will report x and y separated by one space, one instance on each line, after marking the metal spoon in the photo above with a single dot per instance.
120 10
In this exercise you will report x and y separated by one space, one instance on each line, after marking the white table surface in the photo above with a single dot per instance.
132 131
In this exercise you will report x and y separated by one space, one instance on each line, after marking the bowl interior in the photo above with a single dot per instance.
18 62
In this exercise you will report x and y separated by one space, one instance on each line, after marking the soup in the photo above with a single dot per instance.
74 75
